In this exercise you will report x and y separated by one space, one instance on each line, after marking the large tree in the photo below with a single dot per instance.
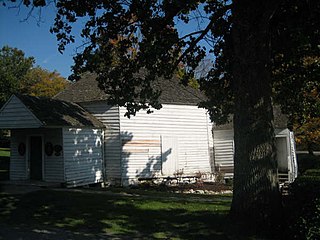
247 38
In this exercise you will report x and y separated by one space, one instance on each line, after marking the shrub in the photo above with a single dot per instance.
4 143
4 138
307 161
304 209
312 172
307 224
306 187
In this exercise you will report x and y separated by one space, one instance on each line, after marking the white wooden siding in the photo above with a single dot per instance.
109 116
187 129
293 165
210 143
14 114
83 156
286 154
18 168
53 165
224 149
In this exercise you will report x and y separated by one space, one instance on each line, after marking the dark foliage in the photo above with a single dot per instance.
307 161
4 141
303 207
296 55
307 186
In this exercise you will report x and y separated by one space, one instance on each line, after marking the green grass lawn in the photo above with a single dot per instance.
4 152
173 216
4 163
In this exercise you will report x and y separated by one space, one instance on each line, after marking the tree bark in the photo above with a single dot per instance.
256 194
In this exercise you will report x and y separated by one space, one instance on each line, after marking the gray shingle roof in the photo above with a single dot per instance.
280 120
52 112
172 92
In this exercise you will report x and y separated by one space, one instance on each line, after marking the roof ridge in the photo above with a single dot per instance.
172 91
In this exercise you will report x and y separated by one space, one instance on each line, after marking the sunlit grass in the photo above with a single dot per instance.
116 226
71 222
164 235
190 206
4 163
4 152
7 204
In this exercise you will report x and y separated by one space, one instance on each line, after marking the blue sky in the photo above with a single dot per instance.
35 40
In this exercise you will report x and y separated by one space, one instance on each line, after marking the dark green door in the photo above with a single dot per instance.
36 158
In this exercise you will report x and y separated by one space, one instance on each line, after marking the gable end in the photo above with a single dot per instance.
14 114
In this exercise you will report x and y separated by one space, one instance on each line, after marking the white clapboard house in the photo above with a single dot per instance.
78 139
175 139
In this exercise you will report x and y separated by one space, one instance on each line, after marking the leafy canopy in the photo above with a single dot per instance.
151 29
122 37
43 83
296 68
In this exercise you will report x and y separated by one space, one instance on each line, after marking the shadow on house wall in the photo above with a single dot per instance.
141 158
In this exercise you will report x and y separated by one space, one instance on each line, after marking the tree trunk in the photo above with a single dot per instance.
256 196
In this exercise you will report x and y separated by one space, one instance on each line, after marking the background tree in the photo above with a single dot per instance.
308 135
43 83
14 66
250 41
296 69
18 75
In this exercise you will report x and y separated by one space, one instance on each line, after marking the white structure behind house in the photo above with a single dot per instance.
223 141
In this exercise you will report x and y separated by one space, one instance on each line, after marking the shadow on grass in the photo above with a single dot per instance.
123 217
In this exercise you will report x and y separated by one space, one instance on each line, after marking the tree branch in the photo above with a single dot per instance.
191 34
194 43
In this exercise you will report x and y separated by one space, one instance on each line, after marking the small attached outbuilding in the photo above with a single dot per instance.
53 141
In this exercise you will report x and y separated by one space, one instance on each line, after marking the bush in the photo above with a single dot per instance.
307 224
307 161
312 172
307 186
304 209
4 143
